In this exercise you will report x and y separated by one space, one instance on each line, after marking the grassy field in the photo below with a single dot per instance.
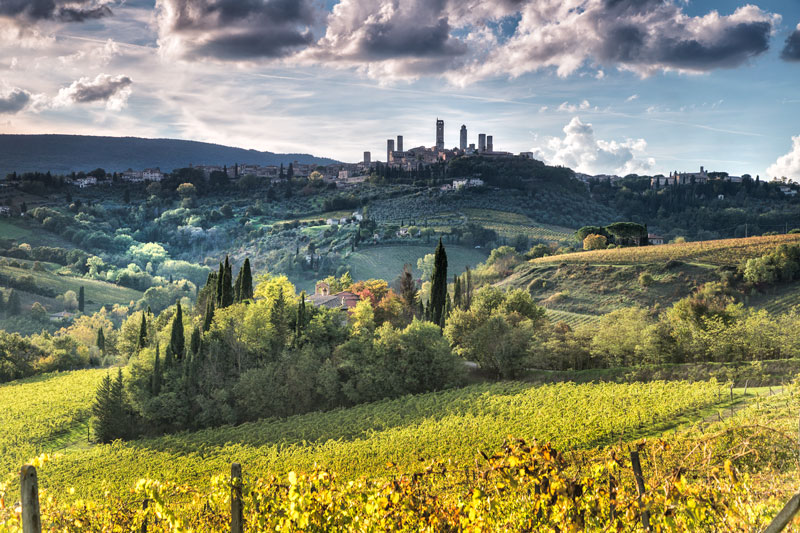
586 290
98 293
718 252
409 432
29 231
43 414
509 224
386 262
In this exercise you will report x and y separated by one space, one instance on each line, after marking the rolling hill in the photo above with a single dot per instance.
65 153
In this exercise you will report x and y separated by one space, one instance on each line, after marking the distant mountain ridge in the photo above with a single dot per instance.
65 153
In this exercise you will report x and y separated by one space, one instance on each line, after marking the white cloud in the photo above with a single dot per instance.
787 165
580 150
572 108
632 97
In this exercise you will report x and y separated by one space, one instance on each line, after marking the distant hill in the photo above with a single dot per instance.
65 153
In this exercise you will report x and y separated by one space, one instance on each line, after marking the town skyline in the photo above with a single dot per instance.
342 77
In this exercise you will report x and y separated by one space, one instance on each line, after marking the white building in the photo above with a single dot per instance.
152 174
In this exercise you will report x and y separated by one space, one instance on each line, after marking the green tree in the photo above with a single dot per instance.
246 291
209 316
194 341
142 342
155 382
439 285
81 299
301 316
111 414
177 341
101 340
14 305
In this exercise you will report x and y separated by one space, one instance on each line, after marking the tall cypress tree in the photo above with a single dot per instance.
142 342
468 289
247 280
194 342
209 315
101 340
220 279
439 285
301 316
177 342
155 383
237 288
81 299
456 292
227 285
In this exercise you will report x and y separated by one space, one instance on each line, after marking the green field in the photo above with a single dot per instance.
386 262
583 291
509 224
30 232
98 293
44 414
409 432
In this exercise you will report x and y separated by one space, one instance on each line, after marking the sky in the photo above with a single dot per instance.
601 86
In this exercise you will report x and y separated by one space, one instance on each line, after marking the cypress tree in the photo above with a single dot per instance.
81 299
177 341
220 278
168 358
142 333
194 342
468 289
301 315
237 288
456 292
14 305
155 384
247 280
227 285
209 315
101 340
439 285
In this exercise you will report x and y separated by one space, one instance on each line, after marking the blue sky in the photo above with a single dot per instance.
603 86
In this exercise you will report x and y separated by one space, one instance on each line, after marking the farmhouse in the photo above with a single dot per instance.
344 301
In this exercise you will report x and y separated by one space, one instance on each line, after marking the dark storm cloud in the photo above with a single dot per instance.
791 52
386 40
101 89
235 29
13 101
65 11
733 47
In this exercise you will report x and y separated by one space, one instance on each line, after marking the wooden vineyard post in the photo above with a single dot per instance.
637 473
29 492
144 520
236 499
785 516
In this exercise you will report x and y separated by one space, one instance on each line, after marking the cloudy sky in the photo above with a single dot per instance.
603 86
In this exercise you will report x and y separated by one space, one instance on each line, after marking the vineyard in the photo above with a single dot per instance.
43 414
360 441
718 252
731 475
